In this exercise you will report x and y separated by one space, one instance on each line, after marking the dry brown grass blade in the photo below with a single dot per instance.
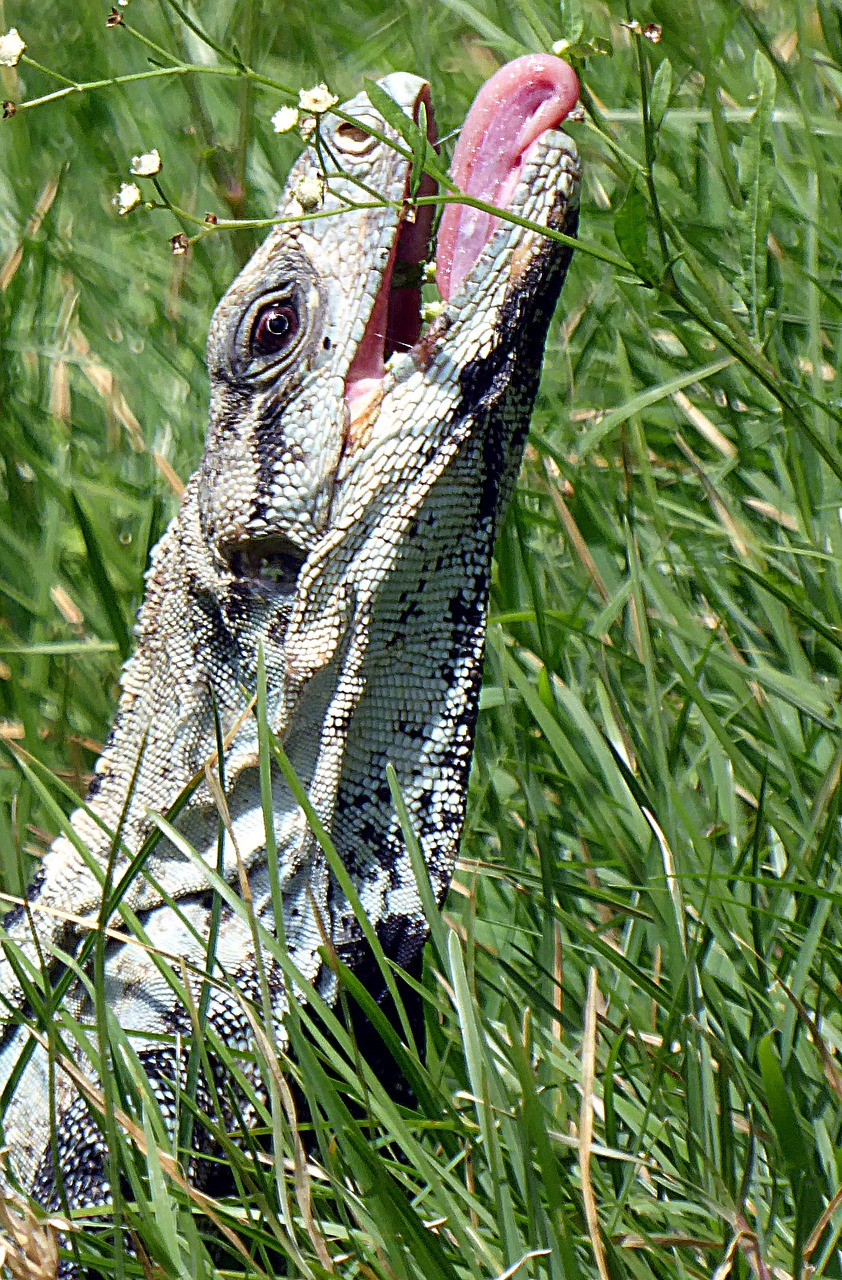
706 429
737 534
574 533
813 1240
301 1175
586 1124
771 512
28 1244
105 385
42 207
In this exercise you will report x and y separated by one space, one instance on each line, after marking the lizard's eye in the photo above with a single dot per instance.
275 327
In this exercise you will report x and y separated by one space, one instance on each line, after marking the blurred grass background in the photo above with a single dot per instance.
633 1029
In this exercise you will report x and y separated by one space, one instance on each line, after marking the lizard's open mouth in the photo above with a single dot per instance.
509 116
395 320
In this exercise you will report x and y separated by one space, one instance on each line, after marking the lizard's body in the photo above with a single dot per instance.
341 525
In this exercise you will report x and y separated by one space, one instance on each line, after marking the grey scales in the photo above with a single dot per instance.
337 535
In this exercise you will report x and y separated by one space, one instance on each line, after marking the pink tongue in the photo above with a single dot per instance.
512 109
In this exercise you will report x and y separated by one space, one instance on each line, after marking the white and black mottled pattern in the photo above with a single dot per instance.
359 563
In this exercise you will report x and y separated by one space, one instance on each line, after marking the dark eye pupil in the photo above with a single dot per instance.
274 329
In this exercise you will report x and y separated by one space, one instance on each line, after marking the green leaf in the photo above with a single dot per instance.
342 875
801 1164
438 930
630 230
572 20
420 147
781 1111
643 400
756 170
391 112
830 16
101 580
165 1218
659 94
423 156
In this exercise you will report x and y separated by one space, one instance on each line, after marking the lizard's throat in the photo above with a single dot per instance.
510 116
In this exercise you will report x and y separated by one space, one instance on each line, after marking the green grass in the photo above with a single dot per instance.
634 999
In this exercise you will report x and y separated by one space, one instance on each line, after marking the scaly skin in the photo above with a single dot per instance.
371 620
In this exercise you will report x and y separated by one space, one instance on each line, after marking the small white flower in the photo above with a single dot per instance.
128 198
430 310
307 127
11 47
147 165
285 119
309 191
318 99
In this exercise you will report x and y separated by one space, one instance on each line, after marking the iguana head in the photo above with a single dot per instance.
316 352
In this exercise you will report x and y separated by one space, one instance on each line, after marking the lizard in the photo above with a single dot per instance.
336 542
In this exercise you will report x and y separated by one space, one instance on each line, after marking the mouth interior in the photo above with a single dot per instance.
510 114
395 320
